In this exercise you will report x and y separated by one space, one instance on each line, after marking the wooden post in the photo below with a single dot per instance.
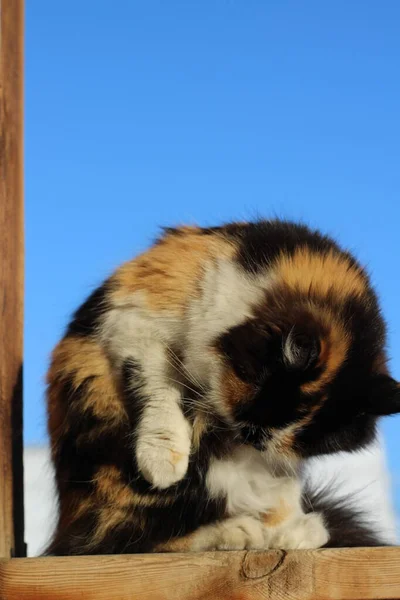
11 277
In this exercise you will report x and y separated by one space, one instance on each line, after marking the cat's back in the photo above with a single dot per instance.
171 271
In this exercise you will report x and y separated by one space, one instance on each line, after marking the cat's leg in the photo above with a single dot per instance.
163 436
161 433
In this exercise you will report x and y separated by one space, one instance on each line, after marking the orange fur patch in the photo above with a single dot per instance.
109 519
283 441
111 490
334 349
276 516
169 272
82 360
176 457
178 544
117 503
200 426
234 390
317 274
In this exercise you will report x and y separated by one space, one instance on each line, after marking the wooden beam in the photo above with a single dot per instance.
11 277
346 574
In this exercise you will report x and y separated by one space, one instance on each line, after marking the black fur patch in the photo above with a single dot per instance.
347 419
72 540
249 350
87 318
348 526
132 382
256 354
87 442
261 242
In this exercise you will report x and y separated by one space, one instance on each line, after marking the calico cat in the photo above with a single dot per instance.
189 389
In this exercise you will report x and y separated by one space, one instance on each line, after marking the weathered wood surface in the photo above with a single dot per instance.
11 277
345 574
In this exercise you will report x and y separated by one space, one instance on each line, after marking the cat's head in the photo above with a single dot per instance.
306 373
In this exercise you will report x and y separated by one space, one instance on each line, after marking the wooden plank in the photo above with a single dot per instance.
348 574
11 277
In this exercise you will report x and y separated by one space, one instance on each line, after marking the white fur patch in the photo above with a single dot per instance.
248 484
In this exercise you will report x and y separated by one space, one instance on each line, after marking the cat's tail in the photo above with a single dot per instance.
348 525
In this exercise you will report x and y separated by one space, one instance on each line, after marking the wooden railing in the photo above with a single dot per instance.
343 574
360 573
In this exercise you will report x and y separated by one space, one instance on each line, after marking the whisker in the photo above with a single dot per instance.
189 374
185 386
177 368
180 366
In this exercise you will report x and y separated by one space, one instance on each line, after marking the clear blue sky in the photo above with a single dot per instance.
140 114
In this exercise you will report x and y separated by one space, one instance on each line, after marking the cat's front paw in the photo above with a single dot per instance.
236 533
306 532
240 533
163 457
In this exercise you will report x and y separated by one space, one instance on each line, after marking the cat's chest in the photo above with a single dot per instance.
246 482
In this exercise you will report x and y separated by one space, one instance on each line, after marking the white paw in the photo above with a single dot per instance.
163 457
237 533
241 533
304 532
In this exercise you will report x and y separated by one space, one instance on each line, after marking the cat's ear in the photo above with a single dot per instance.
384 396
300 351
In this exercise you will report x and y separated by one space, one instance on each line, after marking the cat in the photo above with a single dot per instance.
189 389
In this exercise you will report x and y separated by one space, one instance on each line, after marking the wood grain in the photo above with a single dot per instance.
346 574
11 277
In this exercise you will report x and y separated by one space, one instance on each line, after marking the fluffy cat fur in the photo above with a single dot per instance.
191 386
